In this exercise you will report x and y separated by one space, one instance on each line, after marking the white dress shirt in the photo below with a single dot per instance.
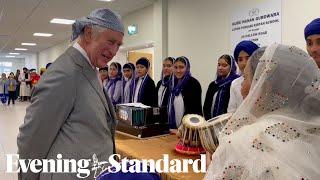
235 95
84 53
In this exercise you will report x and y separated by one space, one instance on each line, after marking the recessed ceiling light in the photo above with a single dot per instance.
62 21
42 34
20 49
10 56
28 44
106 0
14 53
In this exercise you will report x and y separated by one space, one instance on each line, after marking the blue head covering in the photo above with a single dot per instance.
224 86
102 17
166 80
246 46
232 74
47 66
175 89
312 28
112 82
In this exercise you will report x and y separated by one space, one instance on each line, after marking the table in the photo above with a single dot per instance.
154 148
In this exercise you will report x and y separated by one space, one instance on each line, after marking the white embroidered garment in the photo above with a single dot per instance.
275 133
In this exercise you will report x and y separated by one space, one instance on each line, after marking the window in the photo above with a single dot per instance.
5 67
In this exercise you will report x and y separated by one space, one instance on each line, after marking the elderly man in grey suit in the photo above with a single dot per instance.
70 114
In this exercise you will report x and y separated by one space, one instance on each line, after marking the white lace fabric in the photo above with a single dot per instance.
275 133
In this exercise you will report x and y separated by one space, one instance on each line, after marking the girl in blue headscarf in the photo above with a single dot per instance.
128 82
114 84
185 93
163 84
218 93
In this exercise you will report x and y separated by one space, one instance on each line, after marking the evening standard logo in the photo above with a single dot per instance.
84 167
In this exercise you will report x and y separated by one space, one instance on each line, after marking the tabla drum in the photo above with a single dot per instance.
210 130
188 133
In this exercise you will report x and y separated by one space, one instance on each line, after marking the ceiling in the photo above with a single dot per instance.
19 19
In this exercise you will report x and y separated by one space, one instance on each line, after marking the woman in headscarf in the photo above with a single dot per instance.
145 89
218 93
242 53
163 84
275 133
128 82
185 93
113 86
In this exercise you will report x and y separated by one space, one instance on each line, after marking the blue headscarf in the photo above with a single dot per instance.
132 83
175 89
312 28
223 86
166 80
112 82
246 46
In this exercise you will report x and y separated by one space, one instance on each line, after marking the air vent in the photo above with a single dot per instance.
4 37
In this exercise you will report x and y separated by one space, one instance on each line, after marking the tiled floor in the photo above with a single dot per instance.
11 117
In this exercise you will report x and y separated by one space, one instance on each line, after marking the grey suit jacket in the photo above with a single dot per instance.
69 114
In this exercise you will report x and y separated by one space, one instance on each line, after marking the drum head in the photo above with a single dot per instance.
193 121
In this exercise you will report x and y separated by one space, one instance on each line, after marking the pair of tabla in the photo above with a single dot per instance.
196 135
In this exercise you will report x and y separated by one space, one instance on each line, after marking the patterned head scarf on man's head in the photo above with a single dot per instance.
102 17
246 46
312 28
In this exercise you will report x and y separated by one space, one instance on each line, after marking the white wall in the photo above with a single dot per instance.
31 61
17 63
296 15
51 54
200 30
144 20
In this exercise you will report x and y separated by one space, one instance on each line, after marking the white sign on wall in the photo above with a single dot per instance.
260 24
